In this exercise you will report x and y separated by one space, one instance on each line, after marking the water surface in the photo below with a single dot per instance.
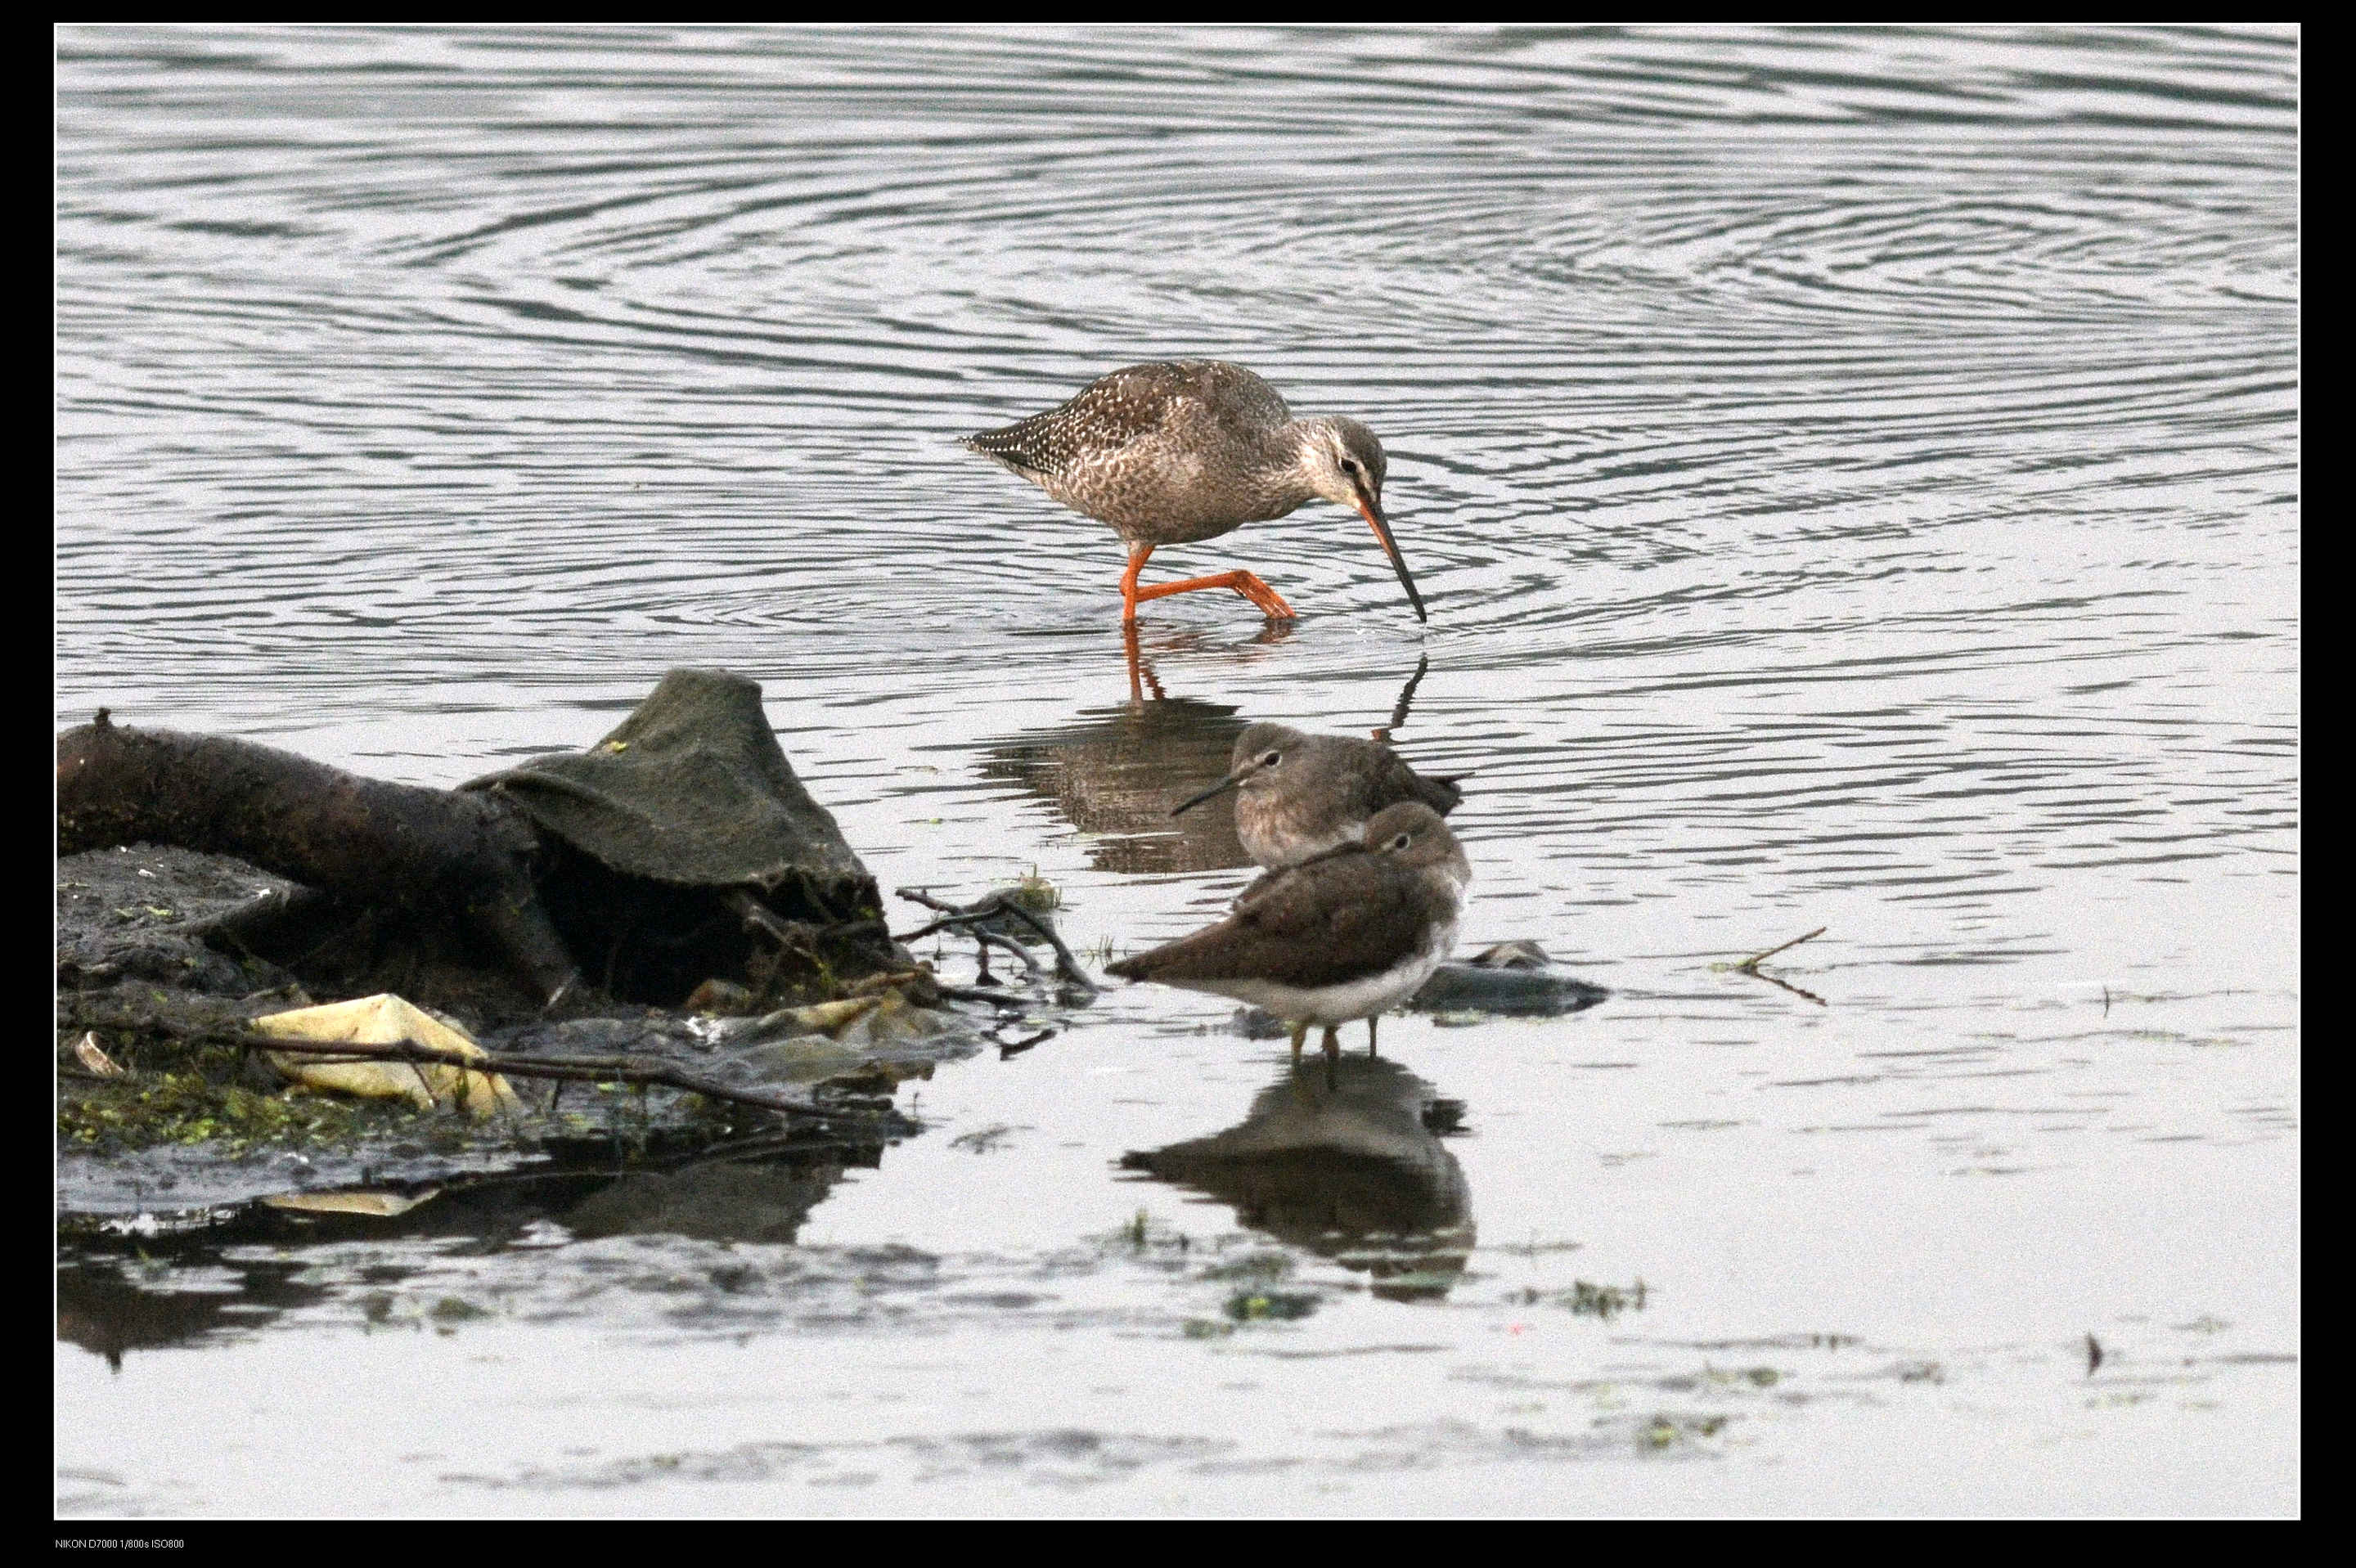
1854 475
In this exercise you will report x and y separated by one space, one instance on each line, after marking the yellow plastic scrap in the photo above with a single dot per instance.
386 1020
890 1021
825 1018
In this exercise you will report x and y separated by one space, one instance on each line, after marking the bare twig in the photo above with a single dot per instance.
1015 1047
577 1069
1000 940
918 896
1751 965
946 923
1067 968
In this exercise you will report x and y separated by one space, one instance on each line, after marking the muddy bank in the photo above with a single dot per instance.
170 1124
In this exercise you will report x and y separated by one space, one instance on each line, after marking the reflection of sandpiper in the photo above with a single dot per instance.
1346 1163
1346 935
1178 453
1112 773
1299 794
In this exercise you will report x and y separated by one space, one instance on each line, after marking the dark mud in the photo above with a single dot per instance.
156 1119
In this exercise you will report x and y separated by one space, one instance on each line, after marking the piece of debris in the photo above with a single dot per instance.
377 1204
386 1020
87 1052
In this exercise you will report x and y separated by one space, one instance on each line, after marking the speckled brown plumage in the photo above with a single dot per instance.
1167 453
1177 452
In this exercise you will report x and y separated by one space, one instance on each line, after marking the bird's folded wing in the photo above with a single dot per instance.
1355 918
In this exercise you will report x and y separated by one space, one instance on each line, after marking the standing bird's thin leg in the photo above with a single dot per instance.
1266 598
1370 1039
1300 1033
1129 583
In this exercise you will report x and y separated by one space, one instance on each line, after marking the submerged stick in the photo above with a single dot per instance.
1000 940
576 1069
1067 967
1751 966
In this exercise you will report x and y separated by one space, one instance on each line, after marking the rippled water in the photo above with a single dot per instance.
1854 475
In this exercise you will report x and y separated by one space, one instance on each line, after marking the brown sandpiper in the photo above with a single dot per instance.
1178 452
1299 794
1348 934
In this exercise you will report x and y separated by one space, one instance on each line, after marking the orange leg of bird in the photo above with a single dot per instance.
1267 599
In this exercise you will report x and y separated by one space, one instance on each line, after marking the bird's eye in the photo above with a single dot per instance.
1400 842
1272 758
1349 465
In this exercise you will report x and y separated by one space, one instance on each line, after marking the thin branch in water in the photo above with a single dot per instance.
1017 1047
999 940
1067 968
948 922
638 1071
1751 965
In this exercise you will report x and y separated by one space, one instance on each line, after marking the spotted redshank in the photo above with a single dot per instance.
1299 794
1181 452
1345 935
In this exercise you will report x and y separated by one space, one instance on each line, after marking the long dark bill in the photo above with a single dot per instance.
1374 514
1219 788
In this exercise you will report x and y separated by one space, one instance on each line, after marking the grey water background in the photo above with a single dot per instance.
1854 474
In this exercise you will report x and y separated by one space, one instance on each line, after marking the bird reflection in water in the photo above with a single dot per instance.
1141 679
1114 773
1346 1162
